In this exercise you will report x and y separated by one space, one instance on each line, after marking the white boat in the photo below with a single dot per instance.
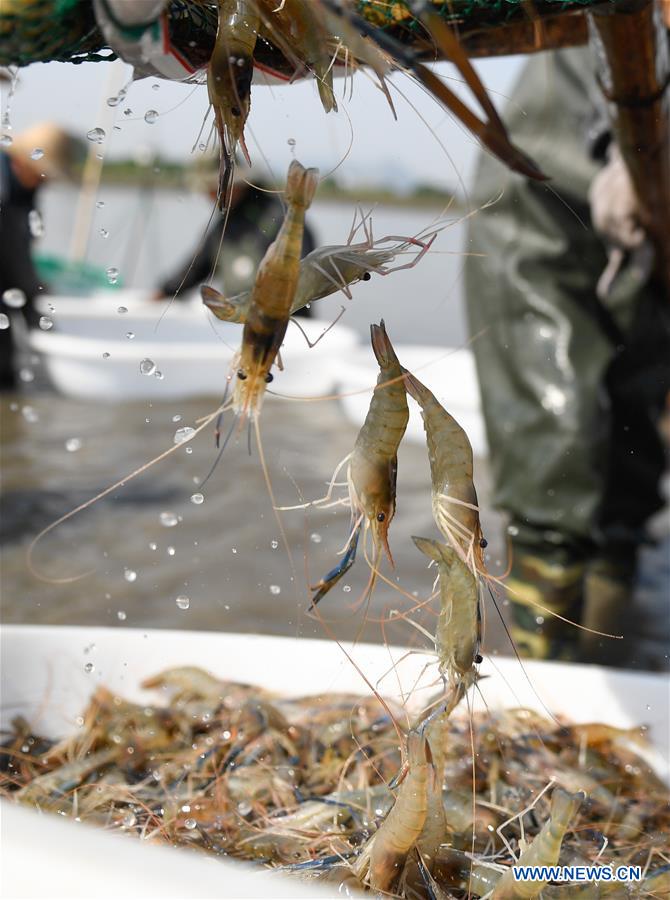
450 374
150 350
48 674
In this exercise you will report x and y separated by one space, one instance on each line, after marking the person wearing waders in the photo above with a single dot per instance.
573 358
40 154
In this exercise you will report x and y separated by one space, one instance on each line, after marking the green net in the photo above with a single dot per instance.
66 30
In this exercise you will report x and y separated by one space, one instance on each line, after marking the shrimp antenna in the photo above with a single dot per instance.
219 454
519 660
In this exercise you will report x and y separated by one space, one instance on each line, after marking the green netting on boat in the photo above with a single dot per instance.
66 30
77 279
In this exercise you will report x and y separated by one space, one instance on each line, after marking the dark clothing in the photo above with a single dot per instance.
572 388
16 265
251 227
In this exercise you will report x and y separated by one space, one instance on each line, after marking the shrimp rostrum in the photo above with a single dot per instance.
372 466
331 268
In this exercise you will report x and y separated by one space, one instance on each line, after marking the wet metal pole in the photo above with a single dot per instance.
633 57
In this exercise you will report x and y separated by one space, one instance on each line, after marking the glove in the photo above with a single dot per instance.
614 214
614 211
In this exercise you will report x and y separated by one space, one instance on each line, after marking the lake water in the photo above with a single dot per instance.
147 552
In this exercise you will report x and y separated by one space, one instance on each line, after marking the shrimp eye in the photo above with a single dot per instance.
241 375
366 276
483 543
235 111
269 377
479 658
381 517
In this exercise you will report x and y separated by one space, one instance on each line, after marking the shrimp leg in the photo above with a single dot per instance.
330 580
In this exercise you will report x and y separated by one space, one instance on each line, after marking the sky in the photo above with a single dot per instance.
362 141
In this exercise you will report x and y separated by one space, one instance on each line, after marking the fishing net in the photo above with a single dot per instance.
67 31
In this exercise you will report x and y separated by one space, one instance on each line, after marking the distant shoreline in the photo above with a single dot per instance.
171 176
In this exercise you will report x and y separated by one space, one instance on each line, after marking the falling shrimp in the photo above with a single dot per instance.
328 269
544 850
454 498
272 296
381 860
229 77
373 463
458 633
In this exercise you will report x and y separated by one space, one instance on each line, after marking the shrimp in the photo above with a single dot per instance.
272 296
544 850
455 507
324 271
60 781
381 859
298 27
373 463
229 77
458 634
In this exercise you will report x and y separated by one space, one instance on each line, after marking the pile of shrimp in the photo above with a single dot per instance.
328 788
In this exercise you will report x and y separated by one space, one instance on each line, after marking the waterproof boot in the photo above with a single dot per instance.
608 603
546 577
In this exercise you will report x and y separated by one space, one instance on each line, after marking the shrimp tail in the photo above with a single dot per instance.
301 185
416 390
441 553
382 347
564 806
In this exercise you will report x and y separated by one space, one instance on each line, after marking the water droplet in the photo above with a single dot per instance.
176 418
89 667
188 449
168 519
244 808
14 298
153 545
45 323
291 142
106 355
130 575
183 602
112 274
73 444
275 589
190 824
4 321
155 87
114 101
35 224
346 588
197 499
183 434
127 111
159 375
26 375
171 551
121 615
96 135
37 153
6 140
105 234
99 204
150 116
129 819
315 538
130 335
147 366
274 544
122 310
